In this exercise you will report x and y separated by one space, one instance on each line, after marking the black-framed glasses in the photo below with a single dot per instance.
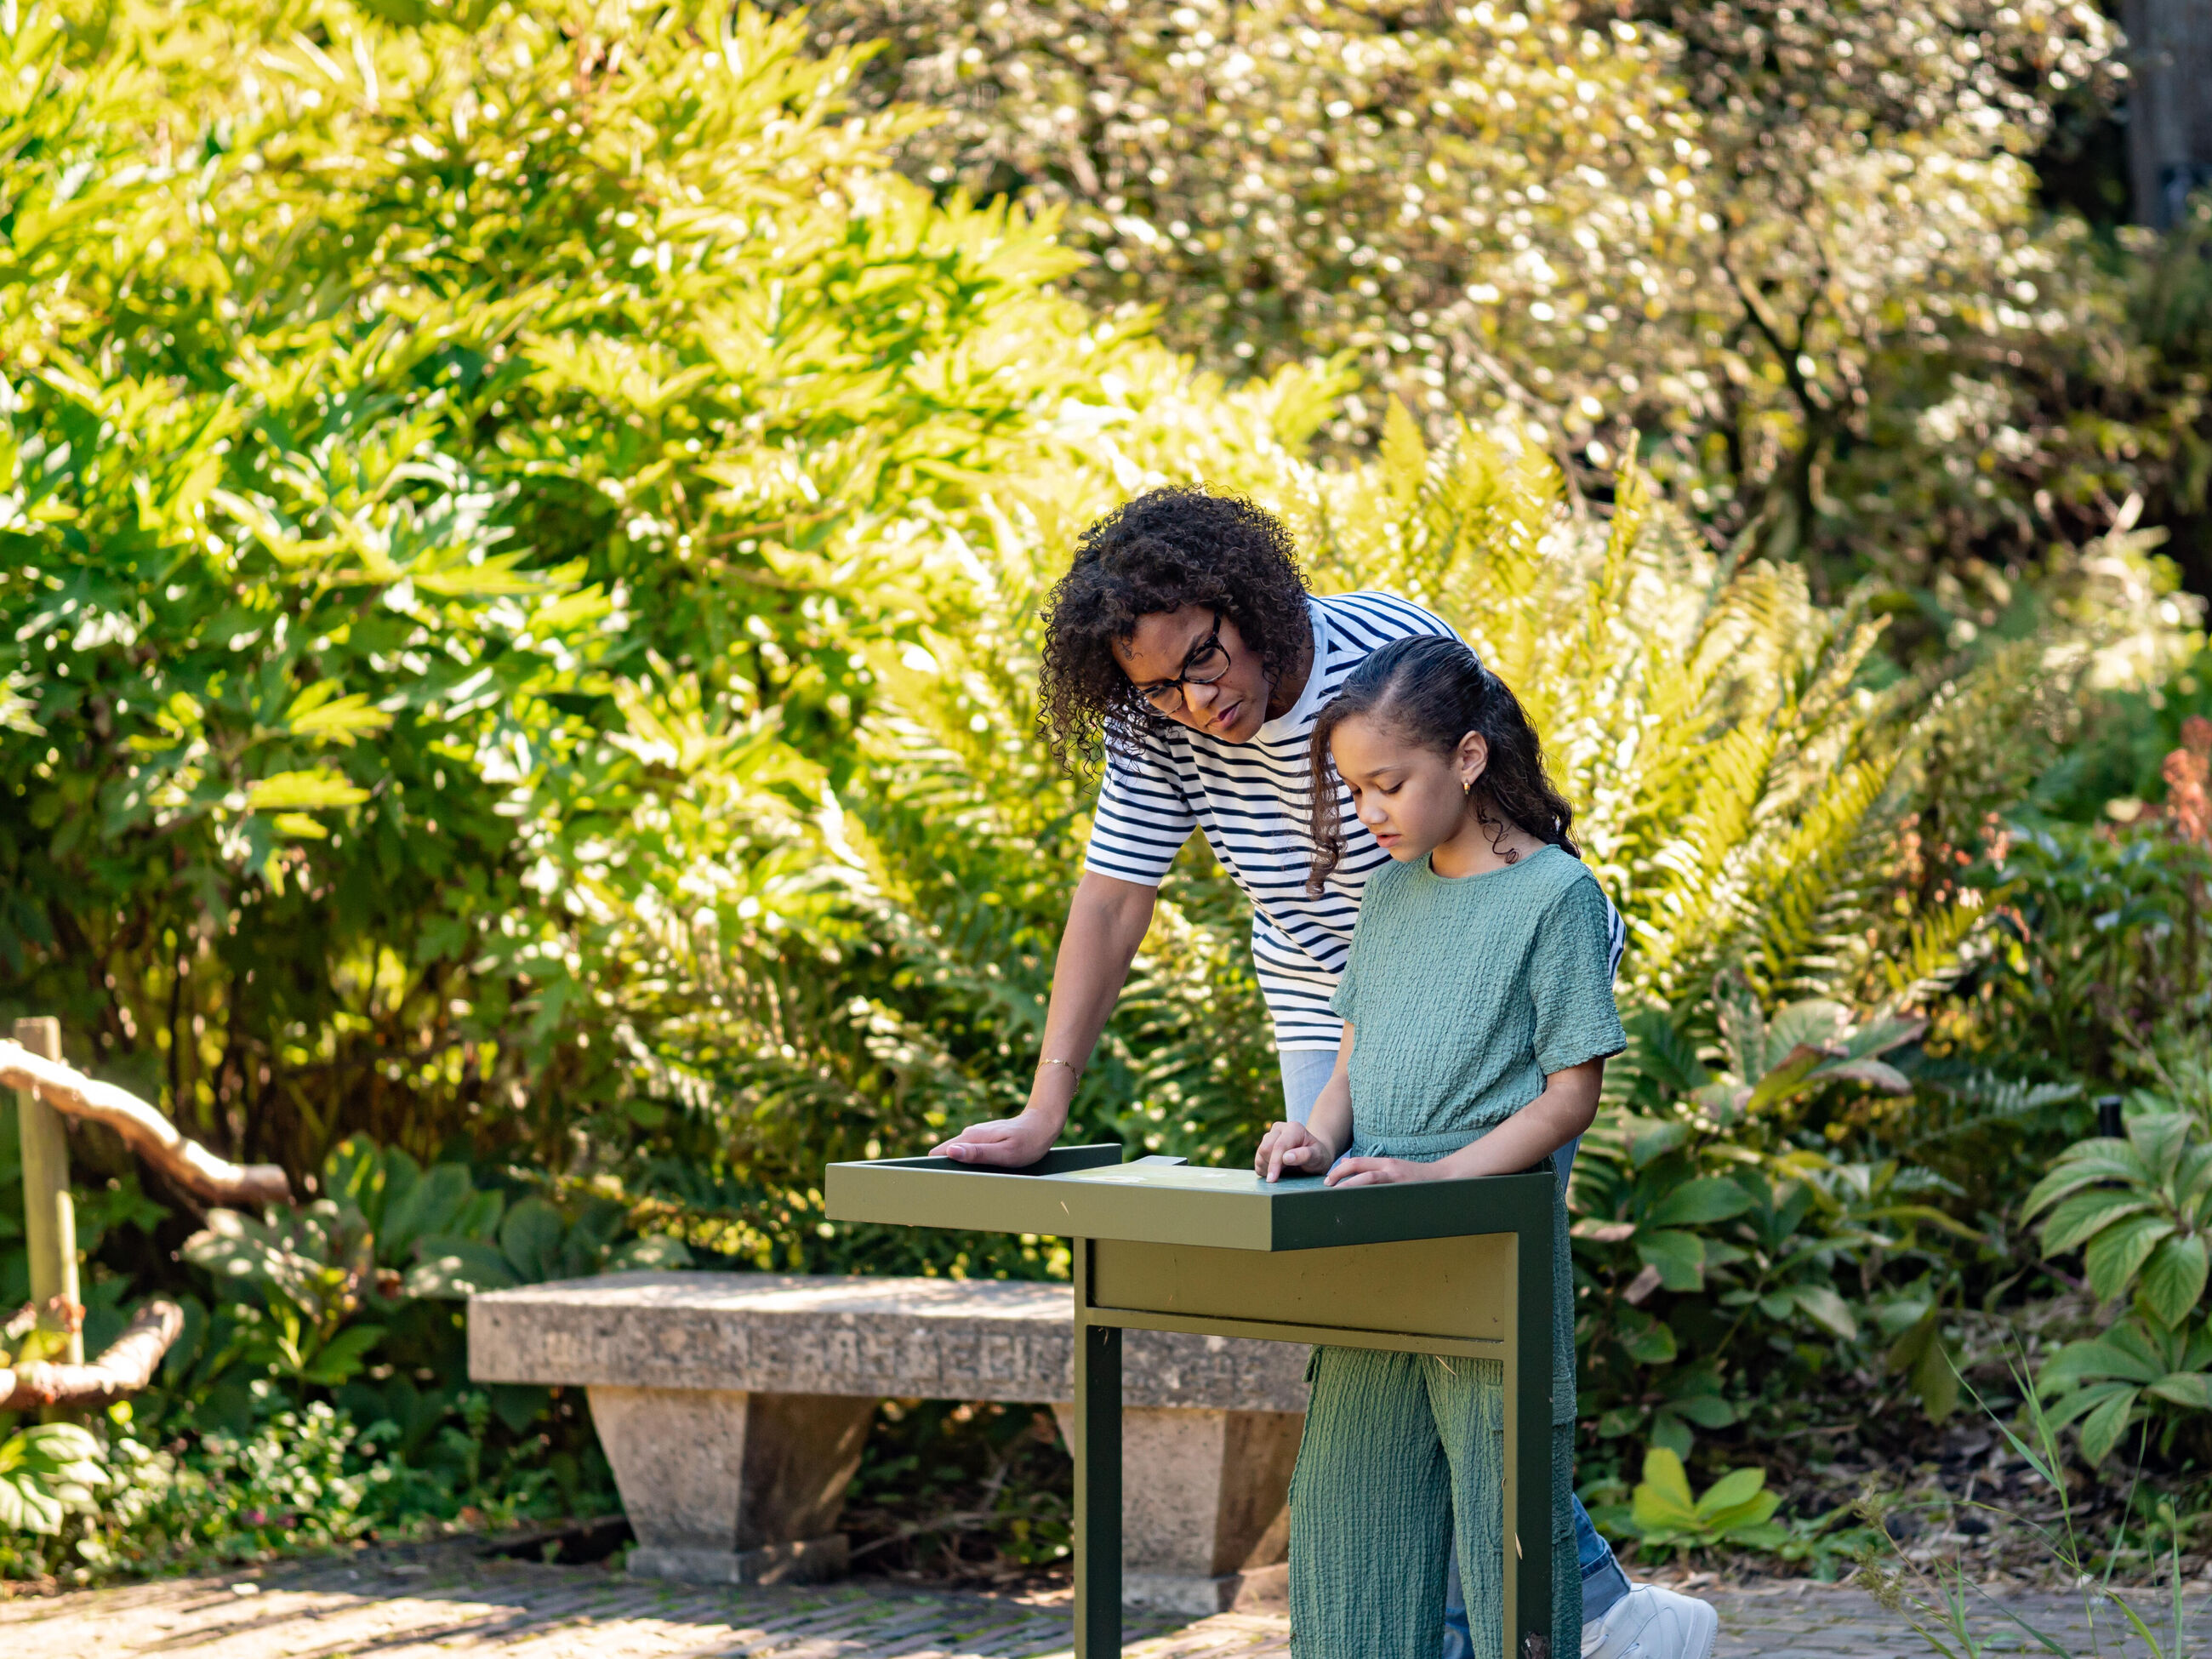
1207 662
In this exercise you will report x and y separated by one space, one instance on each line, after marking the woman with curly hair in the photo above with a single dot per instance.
1184 652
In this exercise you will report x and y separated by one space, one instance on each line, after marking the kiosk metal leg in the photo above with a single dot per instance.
1097 1475
1531 1524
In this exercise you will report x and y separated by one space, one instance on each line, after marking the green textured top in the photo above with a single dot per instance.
1464 993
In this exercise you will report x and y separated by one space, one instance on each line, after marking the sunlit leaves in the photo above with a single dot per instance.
292 792
1734 1510
45 1470
1789 255
322 711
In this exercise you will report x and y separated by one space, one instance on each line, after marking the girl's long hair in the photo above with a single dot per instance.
1432 690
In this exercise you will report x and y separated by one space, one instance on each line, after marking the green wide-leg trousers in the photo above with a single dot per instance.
1396 1447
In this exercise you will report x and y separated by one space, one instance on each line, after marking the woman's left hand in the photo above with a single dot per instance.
1378 1171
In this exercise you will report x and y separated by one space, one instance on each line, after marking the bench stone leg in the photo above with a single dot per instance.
729 1487
1205 1520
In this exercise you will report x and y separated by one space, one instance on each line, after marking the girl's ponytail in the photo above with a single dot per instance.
1434 691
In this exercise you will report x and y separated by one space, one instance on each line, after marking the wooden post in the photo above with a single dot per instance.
49 1219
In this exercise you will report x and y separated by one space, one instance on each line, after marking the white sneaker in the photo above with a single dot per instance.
1650 1622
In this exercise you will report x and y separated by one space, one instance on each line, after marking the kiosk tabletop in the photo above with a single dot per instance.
1086 1192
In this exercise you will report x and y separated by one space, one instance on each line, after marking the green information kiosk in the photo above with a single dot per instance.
1446 1267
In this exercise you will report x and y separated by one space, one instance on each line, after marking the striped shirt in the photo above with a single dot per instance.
1251 800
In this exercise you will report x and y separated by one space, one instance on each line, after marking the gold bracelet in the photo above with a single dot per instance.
1045 1059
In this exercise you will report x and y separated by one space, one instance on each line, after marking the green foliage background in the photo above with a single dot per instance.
521 533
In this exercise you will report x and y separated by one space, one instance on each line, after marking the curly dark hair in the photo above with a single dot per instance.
1165 549
1434 691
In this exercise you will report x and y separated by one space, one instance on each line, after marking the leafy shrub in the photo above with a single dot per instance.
1734 1510
2101 947
2136 1207
292 1477
1712 1203
43 1469
348 661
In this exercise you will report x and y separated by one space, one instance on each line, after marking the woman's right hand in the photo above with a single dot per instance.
1293 1148
1007 1143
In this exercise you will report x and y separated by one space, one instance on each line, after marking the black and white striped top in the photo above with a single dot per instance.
1250 799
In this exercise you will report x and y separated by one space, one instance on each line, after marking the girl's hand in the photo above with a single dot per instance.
1290 1147
1379 1171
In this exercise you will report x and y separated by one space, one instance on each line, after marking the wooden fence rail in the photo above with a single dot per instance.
46 1090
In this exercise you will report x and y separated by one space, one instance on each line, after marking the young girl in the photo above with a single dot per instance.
1478 1015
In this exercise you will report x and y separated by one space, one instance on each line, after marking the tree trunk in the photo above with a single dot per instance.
2170 108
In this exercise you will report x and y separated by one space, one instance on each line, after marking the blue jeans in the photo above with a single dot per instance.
1305 1072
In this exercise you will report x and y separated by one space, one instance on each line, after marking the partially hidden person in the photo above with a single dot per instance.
1184 649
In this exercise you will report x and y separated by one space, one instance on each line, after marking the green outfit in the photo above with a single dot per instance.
1463 995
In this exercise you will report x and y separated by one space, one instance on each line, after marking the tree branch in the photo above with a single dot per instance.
126 1368
1761 315
152 1136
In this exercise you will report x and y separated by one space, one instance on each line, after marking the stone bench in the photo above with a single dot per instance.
734 1408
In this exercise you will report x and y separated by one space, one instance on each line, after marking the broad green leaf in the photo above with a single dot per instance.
295 791
1652 1345
2087 1214
2115 1254
1664 1498
1707 1411
2158 1139
453 1269
2190 1388
656 1252
1679 1256
479 1218
530 1239
323 712
2102 1428
1874 1073
344 1354
1935 1375
26 1506
2097 1358
430 1205
1728 1520
1650 1138
1712 1198
1670 1433
2174 1278
1826 1309
1735 1488
2086 1164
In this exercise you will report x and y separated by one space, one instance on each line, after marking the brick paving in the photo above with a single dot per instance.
376 1606
1803 1620
379 1607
